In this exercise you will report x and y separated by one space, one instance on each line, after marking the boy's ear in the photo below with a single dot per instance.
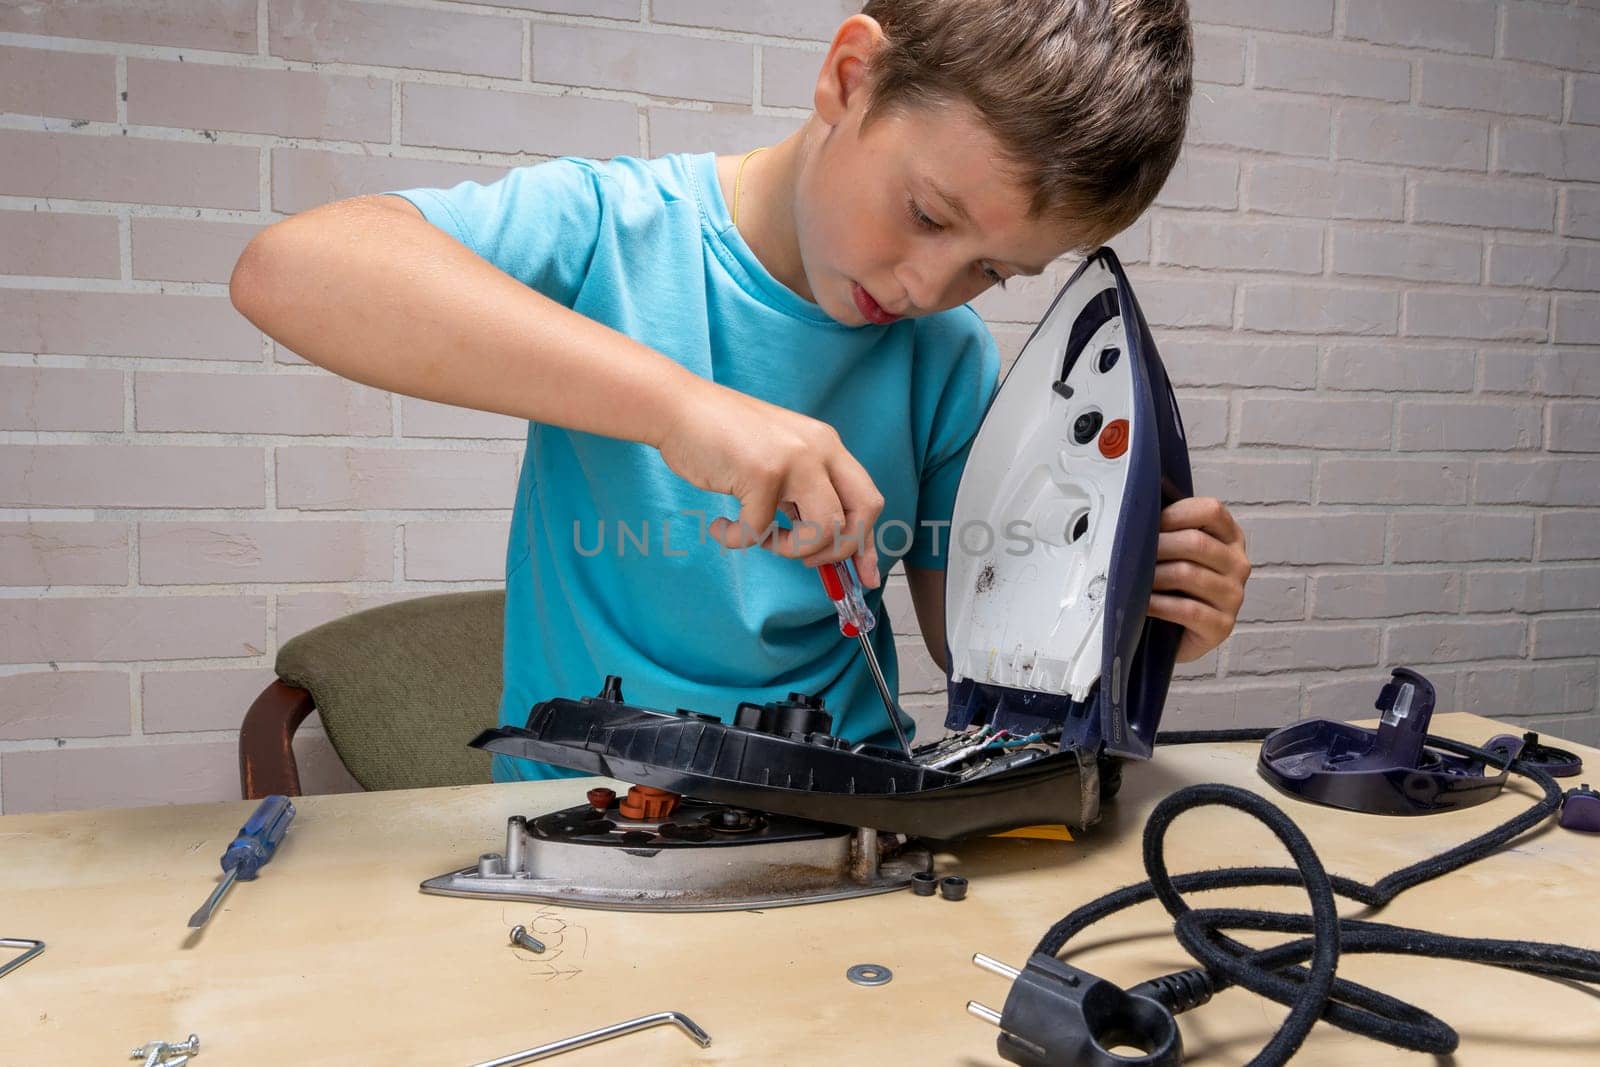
842 84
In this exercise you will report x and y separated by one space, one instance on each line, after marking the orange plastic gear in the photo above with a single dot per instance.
647 802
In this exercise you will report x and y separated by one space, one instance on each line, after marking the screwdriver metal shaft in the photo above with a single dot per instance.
199 918
856 620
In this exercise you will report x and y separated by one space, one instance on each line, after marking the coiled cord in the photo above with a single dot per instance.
1301 974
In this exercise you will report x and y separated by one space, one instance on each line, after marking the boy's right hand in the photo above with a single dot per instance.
772 458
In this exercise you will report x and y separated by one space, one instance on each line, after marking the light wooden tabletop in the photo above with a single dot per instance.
334 957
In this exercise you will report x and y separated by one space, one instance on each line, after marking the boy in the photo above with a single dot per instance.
786 328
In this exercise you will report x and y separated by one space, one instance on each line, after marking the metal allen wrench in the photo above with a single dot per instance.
33 947
605 1033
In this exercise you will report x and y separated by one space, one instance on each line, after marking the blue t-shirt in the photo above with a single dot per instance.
609 569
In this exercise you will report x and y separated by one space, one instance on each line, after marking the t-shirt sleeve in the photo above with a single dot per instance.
539 224
962 403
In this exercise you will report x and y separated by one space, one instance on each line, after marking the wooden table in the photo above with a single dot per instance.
334 957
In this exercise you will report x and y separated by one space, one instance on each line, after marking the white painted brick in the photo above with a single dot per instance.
131 476
1279 647
1485 86
1305 16
696 68
287 103
1415 138
128 628
299 612
301 404
130 170
814 21
494 120
1230 705
1188 301
1314 423
1352 695
1446 25
1547 371
789 76
1398 368
1566 153
1577 320
63 553
1218 56
1569 535
1505 690
1401 253
680 130
1025 299
1575 427
196 553
63 246
1321 190
192 700
1460 536
1205 420
189 250
1454 642
1477 314
1527 590
343 31
351 478
1566 482
1201 362
1499 204
304 178
1392 481
1280 247
1314 307
1274 598
64 84
1204 667
158 325
1585 107
1559 637
1540 33
1445 427
1553 265
1378 594
1239 118
56 704
455 551
37 398
1254 481
1304 538
424 418
1201 181
1580 212
1316 67
1579 729
222 25
918 673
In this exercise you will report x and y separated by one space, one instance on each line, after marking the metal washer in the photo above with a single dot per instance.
869 974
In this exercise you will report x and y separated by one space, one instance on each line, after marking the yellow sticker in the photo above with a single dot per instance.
1039 833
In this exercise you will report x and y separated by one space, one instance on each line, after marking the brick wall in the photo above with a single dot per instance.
1374 277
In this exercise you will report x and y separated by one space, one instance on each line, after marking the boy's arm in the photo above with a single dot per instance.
371 290
927 597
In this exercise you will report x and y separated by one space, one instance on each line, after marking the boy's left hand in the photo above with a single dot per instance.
1201 569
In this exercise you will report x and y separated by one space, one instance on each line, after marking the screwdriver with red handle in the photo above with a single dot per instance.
855 620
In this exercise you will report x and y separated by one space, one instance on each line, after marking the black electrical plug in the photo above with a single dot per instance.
1057 1014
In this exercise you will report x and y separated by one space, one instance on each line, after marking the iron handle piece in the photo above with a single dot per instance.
605 1033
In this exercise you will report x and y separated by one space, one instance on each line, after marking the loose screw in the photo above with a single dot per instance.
520 936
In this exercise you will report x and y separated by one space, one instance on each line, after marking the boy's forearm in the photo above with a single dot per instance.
370 290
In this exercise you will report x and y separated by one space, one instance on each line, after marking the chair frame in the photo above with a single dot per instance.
266 741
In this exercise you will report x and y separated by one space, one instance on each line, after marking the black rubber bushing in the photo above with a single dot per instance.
953 888
924 884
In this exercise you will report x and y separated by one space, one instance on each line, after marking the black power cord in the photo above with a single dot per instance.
1058 1014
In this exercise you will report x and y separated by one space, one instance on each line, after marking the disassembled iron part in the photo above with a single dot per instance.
605 1033
953 888
33 949
869 974
1387 771
924 883
154 1053
1556 762
520 936
698 857
1580 809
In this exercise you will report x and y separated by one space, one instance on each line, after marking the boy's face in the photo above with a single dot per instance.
916 213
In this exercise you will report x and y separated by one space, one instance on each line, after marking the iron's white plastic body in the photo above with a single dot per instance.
1036 514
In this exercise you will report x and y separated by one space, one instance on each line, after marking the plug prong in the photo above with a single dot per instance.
984 1012
994 966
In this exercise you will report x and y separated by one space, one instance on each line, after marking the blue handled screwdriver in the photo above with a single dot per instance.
249 852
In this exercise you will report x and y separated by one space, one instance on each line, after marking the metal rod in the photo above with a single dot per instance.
201 917
605 1033
883 691
34 948
994 966
987 1014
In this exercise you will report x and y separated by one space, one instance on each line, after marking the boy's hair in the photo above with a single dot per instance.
1089 98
